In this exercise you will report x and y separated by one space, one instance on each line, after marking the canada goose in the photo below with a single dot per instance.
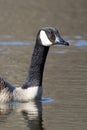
32 88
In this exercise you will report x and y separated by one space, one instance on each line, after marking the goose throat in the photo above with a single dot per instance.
35 73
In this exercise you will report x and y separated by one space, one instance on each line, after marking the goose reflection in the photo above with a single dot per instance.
31 113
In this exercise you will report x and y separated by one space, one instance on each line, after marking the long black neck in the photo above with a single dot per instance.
35 73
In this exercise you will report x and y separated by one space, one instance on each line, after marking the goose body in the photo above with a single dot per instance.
32 88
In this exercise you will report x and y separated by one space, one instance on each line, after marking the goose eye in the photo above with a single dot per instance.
52 37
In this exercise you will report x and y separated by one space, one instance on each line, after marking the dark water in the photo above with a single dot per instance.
64 106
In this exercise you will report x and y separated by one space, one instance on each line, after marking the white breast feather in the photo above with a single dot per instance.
31 93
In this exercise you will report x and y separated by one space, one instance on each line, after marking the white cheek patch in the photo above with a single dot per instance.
44 39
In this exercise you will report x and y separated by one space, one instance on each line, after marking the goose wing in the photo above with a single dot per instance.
4 84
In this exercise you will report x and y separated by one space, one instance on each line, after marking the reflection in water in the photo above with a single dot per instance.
14 43
46 100
31 112
81 43
5 111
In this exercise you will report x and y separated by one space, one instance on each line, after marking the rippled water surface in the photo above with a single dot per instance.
64 102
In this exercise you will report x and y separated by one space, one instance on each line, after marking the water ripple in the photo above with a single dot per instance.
46 100
13 43
81 43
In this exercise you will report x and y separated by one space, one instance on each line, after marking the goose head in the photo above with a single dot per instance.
50 36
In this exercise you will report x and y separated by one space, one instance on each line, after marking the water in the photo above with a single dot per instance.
64 102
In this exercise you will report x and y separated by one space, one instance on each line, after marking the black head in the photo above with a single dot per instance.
50 36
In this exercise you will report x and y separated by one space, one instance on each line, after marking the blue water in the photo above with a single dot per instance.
14 43
81 43
46 100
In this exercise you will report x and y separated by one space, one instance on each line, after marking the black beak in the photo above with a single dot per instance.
60 41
